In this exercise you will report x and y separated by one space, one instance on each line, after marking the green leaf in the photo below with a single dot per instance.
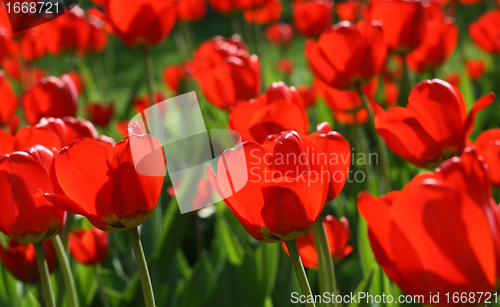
199 286
364 286
266 257
228 241
366 256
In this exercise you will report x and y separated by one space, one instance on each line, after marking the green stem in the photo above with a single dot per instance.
321 240
147 288
299 271
100 284
70 218
406 84
43 268
382 149
66 270
324 285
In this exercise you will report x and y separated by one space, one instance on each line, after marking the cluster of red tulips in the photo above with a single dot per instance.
370 78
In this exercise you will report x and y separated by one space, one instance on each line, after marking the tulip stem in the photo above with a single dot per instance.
299 271
147 288
382 149
66 271
100 283
321 241
406 84
43 268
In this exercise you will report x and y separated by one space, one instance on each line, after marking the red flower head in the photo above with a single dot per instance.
133 20
358 56
5 41
475 69
89 247
97 39
33 45
485 32
225 71
438 43
279 109
313 16
453 79
102 184
281 190
77 80
25 217
54 133
67 33
21 261
223 7
347 106
99 114
488 145
50 97
9 100
337 234
270 12
440 233
285 66
191 10
280 34
6 142
403 22
348 10
142 103
433 126
174 76
308 95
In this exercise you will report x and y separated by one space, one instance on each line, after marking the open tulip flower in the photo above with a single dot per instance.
484 31
338 235
488 145
358 56
89 247
311 17
440 233
434 125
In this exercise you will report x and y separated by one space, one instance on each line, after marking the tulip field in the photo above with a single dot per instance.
268 153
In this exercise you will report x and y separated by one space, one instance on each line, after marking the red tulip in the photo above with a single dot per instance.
391 92
279 109
285 189
308 95
488 144
438 43
191 10
9 100
475 69
270 12
337 234
99 114
226 72
280 34
89 247
102 184
142 103
348 10
453 79
403 22
50 97
174 76
6 142
33 45
347 106
77 80
358 56
67 33
440 233
312 17
25 217
5 42
223 7
484 31
285 66
133 21
97 39
434 125
20 260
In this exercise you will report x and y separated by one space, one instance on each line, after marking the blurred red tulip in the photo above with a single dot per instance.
142 103
223 7
9 100
50 97
403 22
33 45
97 39
270 12
438 43
484 32
280 34
434 125
6 142
14 124
174 76
25 217
391 92
285 66
349 10
67 33
225 71
132 21
5 41
20 260
308 95
440 233
191 10
102 184
337 234
453 79
312 17
89 247
287 187
279 109
99 114
358 56
77 80
488 144
346 105
475 69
